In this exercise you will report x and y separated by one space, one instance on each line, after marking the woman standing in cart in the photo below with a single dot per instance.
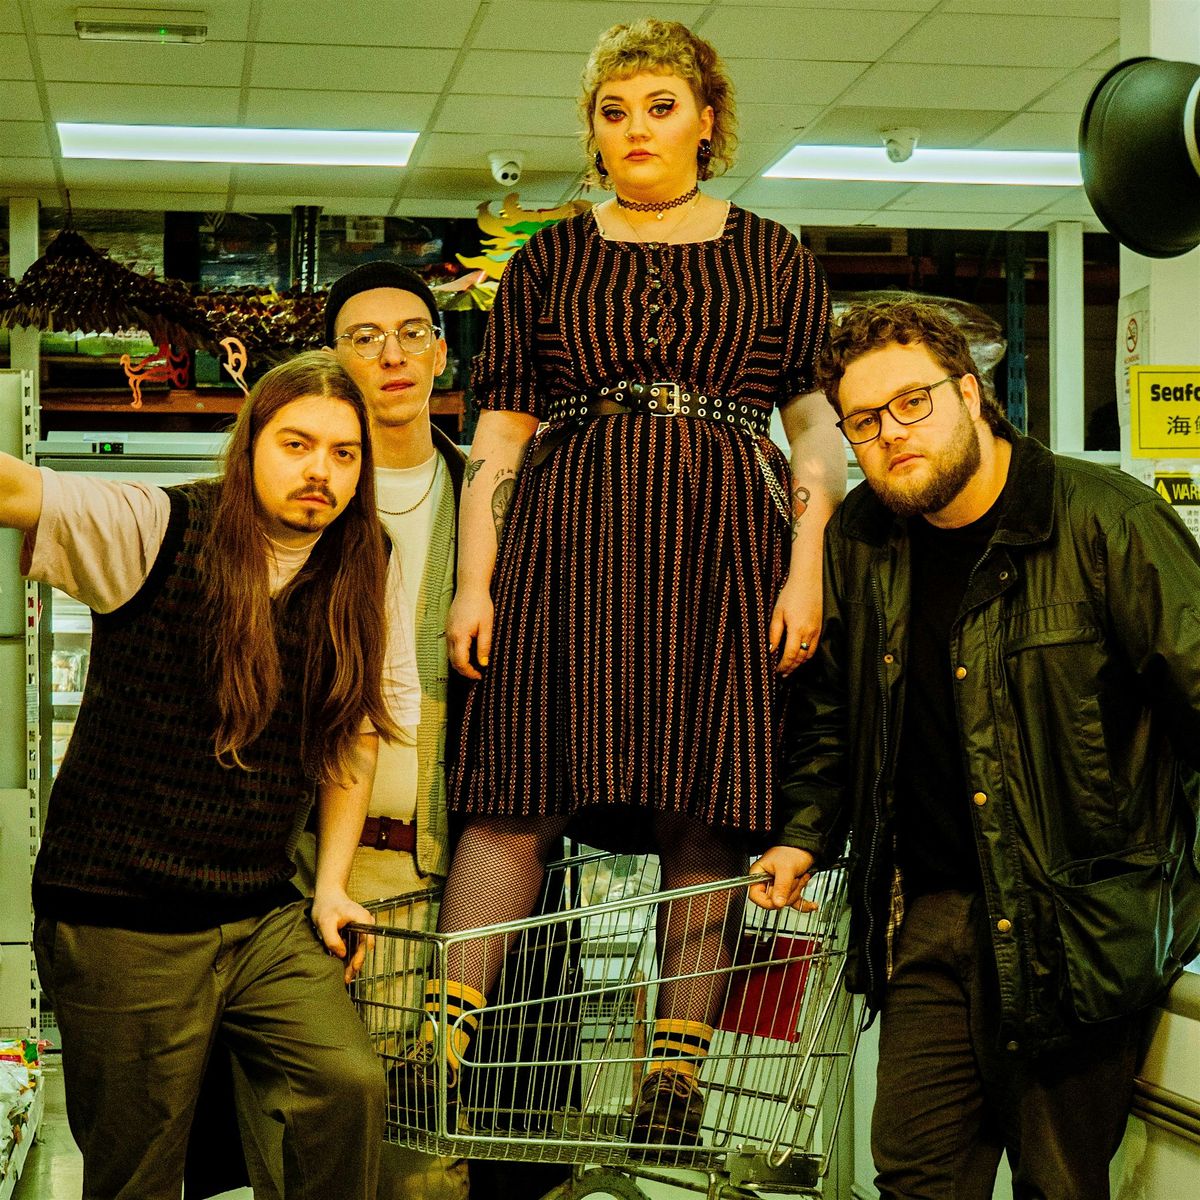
635 582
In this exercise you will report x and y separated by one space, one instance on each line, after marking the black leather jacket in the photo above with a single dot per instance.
1076 656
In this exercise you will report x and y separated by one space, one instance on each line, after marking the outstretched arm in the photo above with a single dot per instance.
20 494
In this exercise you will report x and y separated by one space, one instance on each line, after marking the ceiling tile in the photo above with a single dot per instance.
469 151
19 97
24 139
143 103
998 41
794 81
951 86
820 34
14 57
968 197
539 187
212 64
572 26
946 128
25 173
350 68
10 17
1035 131
762 121
1071 95
519 73
1110 9
275 108
147 200
367 23
345 181
816 193
540 116
145 176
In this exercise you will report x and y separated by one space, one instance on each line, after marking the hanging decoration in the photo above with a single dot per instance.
509 229
165 365
236 361
74 286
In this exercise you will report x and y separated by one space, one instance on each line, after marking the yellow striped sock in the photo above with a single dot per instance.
681 1045
461 1016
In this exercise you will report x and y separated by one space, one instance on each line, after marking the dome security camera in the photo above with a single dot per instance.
506 166
900 142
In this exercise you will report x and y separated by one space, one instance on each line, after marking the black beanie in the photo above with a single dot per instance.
368 276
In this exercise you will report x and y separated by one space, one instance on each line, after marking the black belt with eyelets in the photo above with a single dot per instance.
658 399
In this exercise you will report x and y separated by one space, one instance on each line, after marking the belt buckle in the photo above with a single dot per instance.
661 407
381 834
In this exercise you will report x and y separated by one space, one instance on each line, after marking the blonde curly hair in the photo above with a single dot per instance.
664 47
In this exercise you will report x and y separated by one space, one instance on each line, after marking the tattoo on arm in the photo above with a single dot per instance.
472 469
502 499
800 498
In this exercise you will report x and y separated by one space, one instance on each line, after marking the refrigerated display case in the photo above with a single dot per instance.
66 625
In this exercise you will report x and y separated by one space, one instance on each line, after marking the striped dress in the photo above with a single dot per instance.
630 669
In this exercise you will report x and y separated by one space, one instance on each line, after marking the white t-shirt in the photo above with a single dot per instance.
407 499
97 539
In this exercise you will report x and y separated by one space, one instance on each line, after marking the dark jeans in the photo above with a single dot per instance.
951 1100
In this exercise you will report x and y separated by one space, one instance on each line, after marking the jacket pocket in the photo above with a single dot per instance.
1114 919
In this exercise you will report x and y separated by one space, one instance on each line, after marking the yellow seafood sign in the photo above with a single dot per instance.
1165 411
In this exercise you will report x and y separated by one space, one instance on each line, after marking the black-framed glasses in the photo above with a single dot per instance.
414 337
908 408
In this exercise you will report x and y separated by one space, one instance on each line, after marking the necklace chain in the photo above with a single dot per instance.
658 207
403 512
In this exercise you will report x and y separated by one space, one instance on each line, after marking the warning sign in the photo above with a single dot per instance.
1165 405
1183 492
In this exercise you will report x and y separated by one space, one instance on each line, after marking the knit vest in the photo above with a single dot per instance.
143 819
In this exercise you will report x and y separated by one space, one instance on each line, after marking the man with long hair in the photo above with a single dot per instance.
249 648
1004 713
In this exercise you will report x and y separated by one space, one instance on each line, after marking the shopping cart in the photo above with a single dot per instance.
553 1073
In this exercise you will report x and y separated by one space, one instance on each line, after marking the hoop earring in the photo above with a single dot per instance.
704 153
601 169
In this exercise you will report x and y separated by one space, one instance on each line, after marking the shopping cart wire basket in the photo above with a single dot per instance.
554 1070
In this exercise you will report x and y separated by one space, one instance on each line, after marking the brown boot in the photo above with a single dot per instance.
669 1109
413 1091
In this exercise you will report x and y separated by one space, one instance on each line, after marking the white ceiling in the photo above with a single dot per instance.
475 76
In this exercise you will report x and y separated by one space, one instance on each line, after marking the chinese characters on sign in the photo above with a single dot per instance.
1165 404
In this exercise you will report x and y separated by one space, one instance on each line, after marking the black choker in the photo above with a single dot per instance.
658 207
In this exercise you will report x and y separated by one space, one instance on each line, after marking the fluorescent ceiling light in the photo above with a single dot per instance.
194 143
1037 167
141 24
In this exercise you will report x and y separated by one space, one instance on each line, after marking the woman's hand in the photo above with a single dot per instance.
789 870
469 625
796 620
332 910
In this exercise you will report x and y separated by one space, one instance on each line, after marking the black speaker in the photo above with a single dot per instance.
1139 158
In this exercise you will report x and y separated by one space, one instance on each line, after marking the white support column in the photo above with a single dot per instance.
1066 337
22 254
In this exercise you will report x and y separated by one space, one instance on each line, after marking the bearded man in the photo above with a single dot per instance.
1004 712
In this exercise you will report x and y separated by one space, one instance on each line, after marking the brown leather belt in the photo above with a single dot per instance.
386 833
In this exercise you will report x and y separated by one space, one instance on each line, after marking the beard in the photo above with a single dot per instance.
950 470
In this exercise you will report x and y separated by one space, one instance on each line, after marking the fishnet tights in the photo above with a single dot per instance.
497 875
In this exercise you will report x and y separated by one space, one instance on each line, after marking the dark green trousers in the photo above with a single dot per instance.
139 1014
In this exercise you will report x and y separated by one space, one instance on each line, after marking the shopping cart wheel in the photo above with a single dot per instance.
597 1182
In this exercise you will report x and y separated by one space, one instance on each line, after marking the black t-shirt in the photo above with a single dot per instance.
935 844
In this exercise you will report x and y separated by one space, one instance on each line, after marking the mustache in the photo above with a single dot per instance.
318 489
